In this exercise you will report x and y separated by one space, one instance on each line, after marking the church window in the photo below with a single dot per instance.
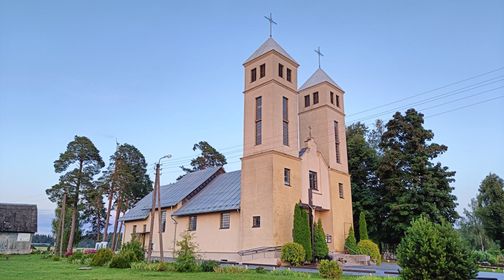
287 176
262 70
315 97
253 75
307 100
337 100
337 142
225 220
192 223
256 221
313 180
258 124
341 194
285 127
163 219
280 70
134 229
289 75
332 97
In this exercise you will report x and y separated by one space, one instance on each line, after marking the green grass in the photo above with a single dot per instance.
34 267
485 269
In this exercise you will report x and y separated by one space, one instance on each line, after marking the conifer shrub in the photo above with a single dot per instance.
321 249
301 231
186 254
434 251
136 248
368 247
120 261
363 232
351 243
102 257
330 269
293 253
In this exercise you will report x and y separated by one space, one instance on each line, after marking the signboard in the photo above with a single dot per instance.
23 237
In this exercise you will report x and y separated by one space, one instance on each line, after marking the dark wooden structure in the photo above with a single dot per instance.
18 223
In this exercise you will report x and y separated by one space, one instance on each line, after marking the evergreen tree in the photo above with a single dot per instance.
209 157
471 229
362 164
321 249
351 243
82 161
412 184
363 234
301 231
491 207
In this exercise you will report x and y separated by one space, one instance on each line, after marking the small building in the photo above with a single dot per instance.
18 223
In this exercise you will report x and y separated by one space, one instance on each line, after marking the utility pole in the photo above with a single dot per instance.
151 231
158 185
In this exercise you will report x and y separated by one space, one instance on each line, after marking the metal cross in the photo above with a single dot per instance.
319 55
271 21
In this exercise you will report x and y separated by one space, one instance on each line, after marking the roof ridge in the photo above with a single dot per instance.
269 45
318 77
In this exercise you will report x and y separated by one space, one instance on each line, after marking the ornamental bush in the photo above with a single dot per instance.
330 269
434 251
301 231
186 254
102 257
351 243
368 247
293 253
135 247
363 233
321 249
120 261
208 266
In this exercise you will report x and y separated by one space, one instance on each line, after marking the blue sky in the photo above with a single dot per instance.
162 75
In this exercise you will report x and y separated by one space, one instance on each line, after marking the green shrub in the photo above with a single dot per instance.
129 255
368 247
120 261
230 269
260 270
102 257
290 273
293 253
301 231
330 269
135 247
56 258
75 256
321 249
433 251
186 254
351 243
208 266
363 233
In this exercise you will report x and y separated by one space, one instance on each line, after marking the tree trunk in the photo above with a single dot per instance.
107 219
98 222
61 233
118 212
74 211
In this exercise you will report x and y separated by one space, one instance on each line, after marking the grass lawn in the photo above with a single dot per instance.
34 267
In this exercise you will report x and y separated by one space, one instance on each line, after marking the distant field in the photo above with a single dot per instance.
34 267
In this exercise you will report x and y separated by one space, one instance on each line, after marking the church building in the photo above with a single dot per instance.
294 151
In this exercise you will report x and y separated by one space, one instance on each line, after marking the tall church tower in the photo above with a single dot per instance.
270 182
322 118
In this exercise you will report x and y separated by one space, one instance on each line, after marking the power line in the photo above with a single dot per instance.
462 107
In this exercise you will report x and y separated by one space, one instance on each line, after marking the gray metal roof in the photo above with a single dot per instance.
318 77
222 194
267 46
171 194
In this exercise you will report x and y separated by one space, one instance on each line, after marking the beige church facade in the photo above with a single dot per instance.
294 151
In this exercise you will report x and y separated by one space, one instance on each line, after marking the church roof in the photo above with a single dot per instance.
221 194
173 193
319 77
268 46
20 218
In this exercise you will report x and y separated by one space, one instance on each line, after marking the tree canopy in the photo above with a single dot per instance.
209 157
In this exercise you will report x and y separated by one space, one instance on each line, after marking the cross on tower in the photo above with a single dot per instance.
271 22
319 55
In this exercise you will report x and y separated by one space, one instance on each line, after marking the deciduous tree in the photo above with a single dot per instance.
491 207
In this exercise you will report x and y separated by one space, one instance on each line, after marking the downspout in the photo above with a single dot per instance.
174 232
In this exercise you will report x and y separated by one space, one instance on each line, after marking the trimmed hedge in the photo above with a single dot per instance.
293 253
368 247
330 269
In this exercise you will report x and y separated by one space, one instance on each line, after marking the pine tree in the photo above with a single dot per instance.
301 231
491 207
351 243
363 233
321 249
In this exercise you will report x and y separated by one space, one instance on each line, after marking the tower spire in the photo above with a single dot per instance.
319 55
271 22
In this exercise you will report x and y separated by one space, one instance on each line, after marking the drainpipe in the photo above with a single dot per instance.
174 232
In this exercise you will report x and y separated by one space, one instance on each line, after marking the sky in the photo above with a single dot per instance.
163 75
